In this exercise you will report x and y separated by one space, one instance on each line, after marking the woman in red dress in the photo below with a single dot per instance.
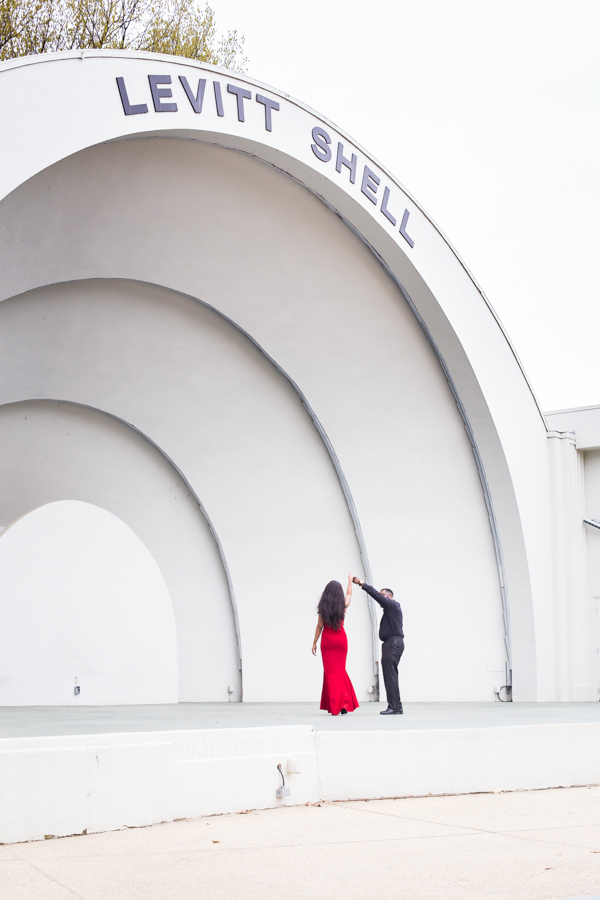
338 694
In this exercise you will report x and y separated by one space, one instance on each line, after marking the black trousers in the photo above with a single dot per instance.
391 651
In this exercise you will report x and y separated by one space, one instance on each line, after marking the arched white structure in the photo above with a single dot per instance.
53 450
247 288
86 614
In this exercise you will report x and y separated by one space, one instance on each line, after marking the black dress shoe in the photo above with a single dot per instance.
391 712
344 712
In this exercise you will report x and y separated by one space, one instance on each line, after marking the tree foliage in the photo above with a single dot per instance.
177 27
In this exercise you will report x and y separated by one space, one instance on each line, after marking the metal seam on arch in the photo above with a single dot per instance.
487 494
328 446
331 451
322 434
461 409
82 55
202 508
453 389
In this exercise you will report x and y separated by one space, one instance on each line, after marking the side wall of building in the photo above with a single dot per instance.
575 450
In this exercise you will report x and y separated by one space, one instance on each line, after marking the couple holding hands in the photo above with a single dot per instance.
338 694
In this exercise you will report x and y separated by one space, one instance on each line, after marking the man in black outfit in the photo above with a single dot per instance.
392 635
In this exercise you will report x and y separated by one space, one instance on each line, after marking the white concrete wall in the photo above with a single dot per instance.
583 421
38 97
239 433
571 659
49 451
256 246
82 603
65 785
578 478
592 511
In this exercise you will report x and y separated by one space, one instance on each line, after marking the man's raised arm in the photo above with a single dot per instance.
376 595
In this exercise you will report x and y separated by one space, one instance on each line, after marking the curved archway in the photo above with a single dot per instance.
488 383
87 616
56 450
230 422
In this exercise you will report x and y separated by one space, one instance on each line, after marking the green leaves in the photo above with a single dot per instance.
175 27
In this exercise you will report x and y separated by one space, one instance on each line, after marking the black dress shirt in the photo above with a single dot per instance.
391 621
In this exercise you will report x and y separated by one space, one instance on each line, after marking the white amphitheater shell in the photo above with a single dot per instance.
229 326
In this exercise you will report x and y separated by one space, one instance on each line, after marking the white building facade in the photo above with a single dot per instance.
238 361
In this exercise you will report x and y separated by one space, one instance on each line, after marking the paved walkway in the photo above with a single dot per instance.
534 845
31 721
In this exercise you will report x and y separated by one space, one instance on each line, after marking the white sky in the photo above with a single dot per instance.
489 113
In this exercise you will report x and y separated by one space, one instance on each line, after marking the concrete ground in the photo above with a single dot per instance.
532 845
34 721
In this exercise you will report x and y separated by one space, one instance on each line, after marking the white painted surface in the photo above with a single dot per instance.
408 763
82 602
580 487
592 511
51 450
585 422
212 402
103 782
63 785
323 307
592 540
39 97
573 665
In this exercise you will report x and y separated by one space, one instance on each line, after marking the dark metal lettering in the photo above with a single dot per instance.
218 98
269 105
158 93
320 147
370 183
349 163
195 99
403 225
241 94
128 109
384 207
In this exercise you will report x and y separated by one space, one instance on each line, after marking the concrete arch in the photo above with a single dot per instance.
189 487
87 616
113 361
334 460
489 383
52 450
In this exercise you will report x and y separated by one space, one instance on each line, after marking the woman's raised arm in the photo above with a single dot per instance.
349 592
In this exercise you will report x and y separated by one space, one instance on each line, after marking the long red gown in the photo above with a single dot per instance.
338 692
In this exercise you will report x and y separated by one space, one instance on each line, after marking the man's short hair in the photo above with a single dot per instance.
389 590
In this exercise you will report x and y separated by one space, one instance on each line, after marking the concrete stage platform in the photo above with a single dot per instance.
65 770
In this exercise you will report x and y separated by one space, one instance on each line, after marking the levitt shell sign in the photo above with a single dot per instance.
224 98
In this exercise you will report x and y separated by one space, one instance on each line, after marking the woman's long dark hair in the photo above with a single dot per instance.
332 605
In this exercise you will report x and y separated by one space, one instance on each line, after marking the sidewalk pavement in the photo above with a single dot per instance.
530 845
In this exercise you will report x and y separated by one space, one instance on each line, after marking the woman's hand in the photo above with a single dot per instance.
318 631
